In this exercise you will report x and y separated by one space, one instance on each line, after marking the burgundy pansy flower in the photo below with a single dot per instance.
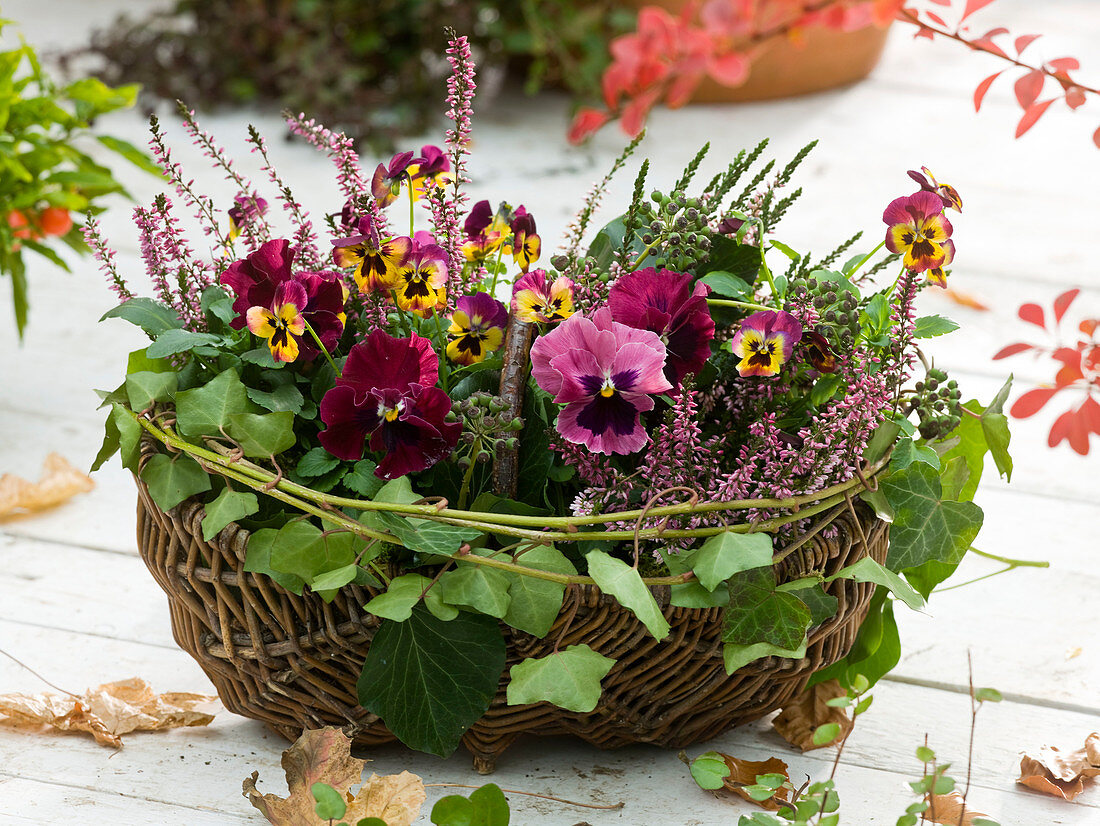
605 374
526 244
375 259
765 342
665 303
818 351
918 228
387 395
477 328
387 180
928 183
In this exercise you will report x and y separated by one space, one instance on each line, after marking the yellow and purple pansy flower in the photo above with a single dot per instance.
386 394
421 278
536 301
282 324
375 259
765 341
246 209
526 244
938 275
818 352
477 328
606 374
928 183
918 229
485 232
433 168
665 303
388 180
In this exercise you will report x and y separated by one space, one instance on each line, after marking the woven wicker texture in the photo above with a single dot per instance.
293 661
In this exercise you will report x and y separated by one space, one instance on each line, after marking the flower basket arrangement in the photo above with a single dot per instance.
642 501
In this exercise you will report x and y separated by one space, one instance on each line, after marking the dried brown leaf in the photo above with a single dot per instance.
1061 775
106 712
744 773
965 299
798 719
59 482
324 756
947 808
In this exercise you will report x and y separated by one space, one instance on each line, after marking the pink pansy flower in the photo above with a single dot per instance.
605 373
918 229
765 342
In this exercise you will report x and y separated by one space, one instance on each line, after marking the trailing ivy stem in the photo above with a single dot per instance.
317 338
867 257
1015 563
745 305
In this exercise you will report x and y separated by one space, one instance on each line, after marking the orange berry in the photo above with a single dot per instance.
55 221
19 222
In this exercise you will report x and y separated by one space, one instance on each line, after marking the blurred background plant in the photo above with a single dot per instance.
45 180
370 69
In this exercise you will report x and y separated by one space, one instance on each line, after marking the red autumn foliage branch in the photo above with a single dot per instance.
1080 368
668 56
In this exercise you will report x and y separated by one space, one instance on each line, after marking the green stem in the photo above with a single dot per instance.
412 210
867 258
496 269
766 271
645 253
1015 563
464 492
317 338
745 305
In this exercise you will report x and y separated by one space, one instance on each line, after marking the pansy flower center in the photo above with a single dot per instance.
391 414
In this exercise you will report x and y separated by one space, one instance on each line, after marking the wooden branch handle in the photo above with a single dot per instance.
513 381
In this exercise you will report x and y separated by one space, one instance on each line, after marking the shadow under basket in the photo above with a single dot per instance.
293 661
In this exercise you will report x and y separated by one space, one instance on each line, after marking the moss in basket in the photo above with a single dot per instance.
662 407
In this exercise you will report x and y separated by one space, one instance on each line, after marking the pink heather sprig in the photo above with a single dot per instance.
192 275
106 258
305 239
155 264
461 86
203 204
448 233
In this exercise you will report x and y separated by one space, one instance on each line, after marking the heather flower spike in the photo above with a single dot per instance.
386 397
948 194
283 324
536 301
421 278
477 328
765 342
387 181
918 229
526 244
666 303
605 374
375 260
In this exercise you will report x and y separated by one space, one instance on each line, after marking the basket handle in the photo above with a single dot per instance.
513 381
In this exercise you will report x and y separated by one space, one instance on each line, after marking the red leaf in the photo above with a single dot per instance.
1075 97
1090 412
935 18
1064 64
1071 371
973 6
1013 349
1079 432
983 87
1032 402
1096 138
1062 302
586 123
1032 115
1025 41
1088 326
1029 87
1033 314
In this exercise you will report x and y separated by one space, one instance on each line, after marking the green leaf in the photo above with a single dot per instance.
334 580
402 595
759 613
371 821
876 316
971 448
258 560
206 410
988 695
131 153
867 570
230 506
139 362
535 603
144 388
995 429
263 434
303 550
285 398
431 680
151 316
479 587
930 326
727 553
881 441
875 652
424 536
615 577
734 656
954 475
109 446
173 479
569 679
877 500
316 462
453 810
330 803
740 260
709 770
490 806
926 528
825 734
174 341
362 479
822 605
726 284
906 451
129 437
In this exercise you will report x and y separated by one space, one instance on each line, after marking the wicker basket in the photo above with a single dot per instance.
293 661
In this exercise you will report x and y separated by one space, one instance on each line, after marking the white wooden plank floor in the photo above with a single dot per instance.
77 604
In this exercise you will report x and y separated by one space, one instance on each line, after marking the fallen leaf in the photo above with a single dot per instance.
1073 652
965 299
799 718
60 482
744 773
106 712
324 756
947 809
1058 774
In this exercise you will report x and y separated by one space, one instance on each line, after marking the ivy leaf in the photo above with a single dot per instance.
109 446
230 506
479 587
486 806
285 398
926 528
726 284
876 650
145 387
971 448
881 441
906 451
734 655
138 361
151 316
822 605
535 603
930 326
402 595
300 548
316 462
728 553
205 410
867 570
258 560
431 680
425 536
328 583
569 679
362 480
176 340
263 434
759 613
615 577
535 458
995 429
173 479
877 500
